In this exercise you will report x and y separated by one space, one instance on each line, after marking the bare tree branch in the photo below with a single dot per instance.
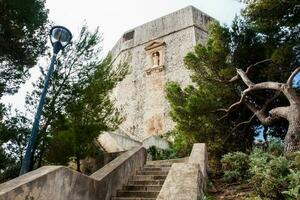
261 110
266 116
261 115
243 123
259 86
244 77
236 77
280 112
235 105
290 79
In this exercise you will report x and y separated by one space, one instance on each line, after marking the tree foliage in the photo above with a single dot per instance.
23 34
78 107
14 135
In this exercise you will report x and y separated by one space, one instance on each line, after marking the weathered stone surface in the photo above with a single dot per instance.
141 95
61 183
51 182
155 141
199 156
180 183
112 142
185 180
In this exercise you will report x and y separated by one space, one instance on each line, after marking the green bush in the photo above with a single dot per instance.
161 154
235 166
272 175
275 146
293 179
293 191
295 160
268 174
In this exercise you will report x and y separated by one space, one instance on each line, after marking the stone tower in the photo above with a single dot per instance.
154 52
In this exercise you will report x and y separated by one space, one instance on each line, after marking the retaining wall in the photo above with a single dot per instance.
187 181
61 183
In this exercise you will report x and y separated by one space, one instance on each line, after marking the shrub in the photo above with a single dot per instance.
293 191
272 176
161 154
235 166
295 160
275 146
268 174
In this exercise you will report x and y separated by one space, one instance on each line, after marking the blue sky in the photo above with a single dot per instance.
114 17
296 81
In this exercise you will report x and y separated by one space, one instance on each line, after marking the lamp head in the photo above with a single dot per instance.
60 37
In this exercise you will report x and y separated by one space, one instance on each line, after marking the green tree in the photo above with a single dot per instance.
23 35
14 135
73 67
90 113
77 102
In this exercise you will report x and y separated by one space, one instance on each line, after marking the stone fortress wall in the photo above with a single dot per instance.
154 52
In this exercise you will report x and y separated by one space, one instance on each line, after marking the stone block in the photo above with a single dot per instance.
199 156
182 183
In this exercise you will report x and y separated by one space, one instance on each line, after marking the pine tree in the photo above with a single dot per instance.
78 107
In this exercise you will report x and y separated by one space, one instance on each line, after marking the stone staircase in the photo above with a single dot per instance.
146 183
124 178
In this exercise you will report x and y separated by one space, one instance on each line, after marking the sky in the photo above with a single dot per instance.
114 17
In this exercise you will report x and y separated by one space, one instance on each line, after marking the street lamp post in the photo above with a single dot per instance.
60 37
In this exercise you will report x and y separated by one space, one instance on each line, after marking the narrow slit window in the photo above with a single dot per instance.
128 36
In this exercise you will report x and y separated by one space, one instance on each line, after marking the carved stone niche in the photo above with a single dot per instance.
155 54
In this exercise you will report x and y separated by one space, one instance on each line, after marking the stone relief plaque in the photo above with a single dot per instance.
155 53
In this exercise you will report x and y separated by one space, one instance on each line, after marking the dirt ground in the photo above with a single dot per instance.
218 189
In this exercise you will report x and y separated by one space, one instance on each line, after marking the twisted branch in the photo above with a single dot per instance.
290 79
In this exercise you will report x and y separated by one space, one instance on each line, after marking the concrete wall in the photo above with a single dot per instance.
155 140
185 181
142 96
112 142
199 156
61 183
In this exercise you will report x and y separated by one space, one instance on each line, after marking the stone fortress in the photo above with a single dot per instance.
154 52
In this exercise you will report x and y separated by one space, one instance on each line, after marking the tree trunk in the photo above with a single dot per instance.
292 138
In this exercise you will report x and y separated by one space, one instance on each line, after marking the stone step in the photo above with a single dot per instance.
148 194
146 182
157 165
149 177
142 187
156 168
170 161
162 173
131 198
